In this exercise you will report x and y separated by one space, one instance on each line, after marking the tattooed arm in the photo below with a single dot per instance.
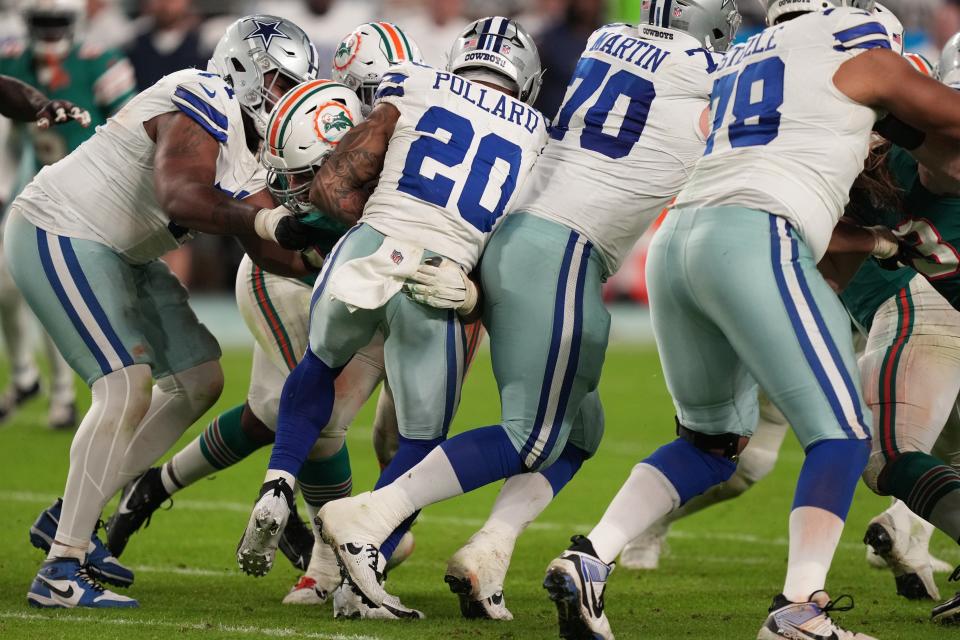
339 188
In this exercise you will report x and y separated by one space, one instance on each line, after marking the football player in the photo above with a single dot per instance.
549 332
21 102
84 240
98 82
792 111
475 120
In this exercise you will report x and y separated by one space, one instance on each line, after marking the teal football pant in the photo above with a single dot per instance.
736 298
548 330
102 312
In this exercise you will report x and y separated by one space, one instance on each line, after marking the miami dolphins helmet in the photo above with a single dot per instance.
367 53
259 53
306 125
776 9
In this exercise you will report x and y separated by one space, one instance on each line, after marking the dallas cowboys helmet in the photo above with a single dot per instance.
365 55
949 68
307 124
255 46
500 45
776 9
712 22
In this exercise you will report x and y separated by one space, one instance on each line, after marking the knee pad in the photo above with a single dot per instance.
755 464
123 395
200 386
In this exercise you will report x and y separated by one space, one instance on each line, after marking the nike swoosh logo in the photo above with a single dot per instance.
353 549
210 94
68 593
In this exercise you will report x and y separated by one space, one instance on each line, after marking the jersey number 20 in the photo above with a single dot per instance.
453 153
757 95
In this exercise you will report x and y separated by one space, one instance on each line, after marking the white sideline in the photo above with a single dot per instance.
470 523
276 632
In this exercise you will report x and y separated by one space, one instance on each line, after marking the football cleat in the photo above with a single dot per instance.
351 526
644 551
14 396
62 415
62 583
576 582
475 574
100 563
139 499
347 604
296 541
807 620
949 611
323 576
902 545
257 547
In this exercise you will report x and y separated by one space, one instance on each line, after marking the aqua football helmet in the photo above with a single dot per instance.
365 55
504 47
776 9
304 128
258 45
714 23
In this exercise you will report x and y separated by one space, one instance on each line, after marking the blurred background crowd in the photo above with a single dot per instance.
162 36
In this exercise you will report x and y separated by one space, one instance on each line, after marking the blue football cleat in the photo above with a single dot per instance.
62 583
100 562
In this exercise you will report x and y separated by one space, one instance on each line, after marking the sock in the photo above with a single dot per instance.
305 408
565 467
178 400
930 488
522 498
644 498
222 444
119 401
409 453
326 479
825 490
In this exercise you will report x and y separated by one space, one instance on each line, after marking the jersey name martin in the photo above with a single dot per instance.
642 53
494 102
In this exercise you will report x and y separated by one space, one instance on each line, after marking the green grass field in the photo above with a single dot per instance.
725 564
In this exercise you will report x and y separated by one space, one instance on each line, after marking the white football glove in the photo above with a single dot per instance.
442 284
885 243
312 257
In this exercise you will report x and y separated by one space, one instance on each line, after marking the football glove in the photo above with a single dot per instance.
442 284
312 258
61 111
277 225
885 243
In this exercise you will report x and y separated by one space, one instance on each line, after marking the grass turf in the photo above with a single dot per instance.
724 564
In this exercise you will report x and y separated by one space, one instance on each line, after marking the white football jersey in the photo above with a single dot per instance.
104 190
785 140
457 158
626 138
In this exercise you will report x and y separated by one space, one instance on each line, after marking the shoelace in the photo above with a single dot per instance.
834 605
86 577
373 554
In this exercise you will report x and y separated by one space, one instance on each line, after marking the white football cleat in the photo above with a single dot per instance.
257 547
576 582
355 527
321 579
347 604
644 551
803 620
475 573
902 542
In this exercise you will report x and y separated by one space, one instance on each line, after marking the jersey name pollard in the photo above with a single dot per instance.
626 138
104 191
457 158
785 140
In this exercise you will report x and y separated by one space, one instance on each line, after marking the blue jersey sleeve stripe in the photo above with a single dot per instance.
860 31
867 44
386 91
215 116
218 135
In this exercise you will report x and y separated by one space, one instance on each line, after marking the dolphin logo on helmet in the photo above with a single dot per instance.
252 48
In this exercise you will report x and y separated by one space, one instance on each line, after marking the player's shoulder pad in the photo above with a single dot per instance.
854 30
207 99
396 80
12 48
